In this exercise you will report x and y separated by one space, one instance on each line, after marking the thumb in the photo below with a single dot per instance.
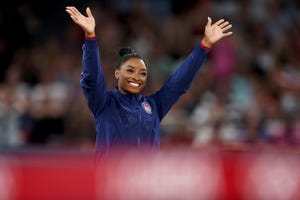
88 12
208 21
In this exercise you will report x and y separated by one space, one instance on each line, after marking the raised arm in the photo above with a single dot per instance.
179 82
92 78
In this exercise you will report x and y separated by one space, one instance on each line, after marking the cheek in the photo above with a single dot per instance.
144 80
122 81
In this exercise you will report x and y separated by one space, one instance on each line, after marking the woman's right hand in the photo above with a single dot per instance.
88 23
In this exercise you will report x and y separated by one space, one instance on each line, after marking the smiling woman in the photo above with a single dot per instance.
125 118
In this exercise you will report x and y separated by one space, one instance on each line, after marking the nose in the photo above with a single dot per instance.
136 76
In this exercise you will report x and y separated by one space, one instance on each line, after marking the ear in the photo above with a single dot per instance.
117 74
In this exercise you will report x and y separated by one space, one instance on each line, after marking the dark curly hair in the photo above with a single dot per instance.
125 53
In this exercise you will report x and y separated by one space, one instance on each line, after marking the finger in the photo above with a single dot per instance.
224 24
228 33
219 22
208 21
70 13
227 27
89 12
76 12
71 10
74 18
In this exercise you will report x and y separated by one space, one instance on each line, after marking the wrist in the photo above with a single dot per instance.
90 37
205 45
92 34
206 42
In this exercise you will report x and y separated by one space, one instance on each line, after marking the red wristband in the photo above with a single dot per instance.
204 47
90 38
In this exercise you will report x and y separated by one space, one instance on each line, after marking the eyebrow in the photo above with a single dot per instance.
132 67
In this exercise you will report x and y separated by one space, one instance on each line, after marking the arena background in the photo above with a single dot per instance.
234 135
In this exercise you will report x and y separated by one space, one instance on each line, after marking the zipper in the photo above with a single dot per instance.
139 129
140 122
136 103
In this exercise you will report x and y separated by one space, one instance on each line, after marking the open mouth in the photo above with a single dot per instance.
134 84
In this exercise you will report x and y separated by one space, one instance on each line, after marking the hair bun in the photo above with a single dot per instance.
125 50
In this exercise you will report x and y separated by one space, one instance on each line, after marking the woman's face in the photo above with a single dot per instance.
131 76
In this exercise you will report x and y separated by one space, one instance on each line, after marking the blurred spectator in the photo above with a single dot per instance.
13 106
49 97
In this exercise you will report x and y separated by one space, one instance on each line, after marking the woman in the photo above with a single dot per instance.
125 118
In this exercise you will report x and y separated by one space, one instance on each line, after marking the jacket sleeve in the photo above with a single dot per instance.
92 79
179 82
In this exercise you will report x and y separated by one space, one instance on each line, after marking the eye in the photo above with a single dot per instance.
130 71
144 74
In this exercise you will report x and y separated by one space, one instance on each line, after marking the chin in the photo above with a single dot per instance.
134 91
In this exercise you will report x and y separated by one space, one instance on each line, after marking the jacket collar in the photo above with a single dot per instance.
128 98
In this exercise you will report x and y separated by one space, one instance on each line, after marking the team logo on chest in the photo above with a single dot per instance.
146 106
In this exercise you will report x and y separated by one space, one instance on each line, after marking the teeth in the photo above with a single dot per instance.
134 84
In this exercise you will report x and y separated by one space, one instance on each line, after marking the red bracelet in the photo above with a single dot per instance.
90 38
204 47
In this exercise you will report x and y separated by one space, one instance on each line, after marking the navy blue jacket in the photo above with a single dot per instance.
131 120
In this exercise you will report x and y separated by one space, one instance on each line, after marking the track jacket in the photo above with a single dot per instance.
125 120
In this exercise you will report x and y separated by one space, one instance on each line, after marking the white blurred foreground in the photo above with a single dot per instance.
168 174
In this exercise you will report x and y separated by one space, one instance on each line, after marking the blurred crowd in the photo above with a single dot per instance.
247 93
